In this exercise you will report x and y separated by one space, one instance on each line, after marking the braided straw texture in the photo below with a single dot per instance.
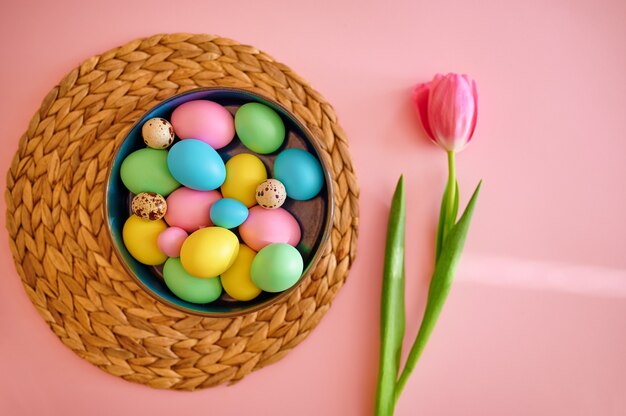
58 236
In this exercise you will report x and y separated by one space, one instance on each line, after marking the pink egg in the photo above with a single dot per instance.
171 240
190 209
204 120
267 226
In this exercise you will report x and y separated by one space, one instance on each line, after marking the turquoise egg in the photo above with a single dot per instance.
300 172
228 213
196 165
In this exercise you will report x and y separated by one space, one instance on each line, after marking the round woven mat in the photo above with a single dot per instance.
62 251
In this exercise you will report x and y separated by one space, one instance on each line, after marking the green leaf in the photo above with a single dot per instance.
392 305
442 217
442 223
440 284
455 207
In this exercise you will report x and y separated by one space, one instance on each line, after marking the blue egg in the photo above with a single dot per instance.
196 165
228 213
300 172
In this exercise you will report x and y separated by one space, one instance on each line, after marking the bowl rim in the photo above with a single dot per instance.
327 229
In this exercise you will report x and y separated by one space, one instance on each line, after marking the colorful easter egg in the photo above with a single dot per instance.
209 252
196 165
244 172
300 172
204 120
267 226
236 280
228 213
146 170
259 128
157 133
171 240
190 209
149 206
187 287
271 194
276 267
141 240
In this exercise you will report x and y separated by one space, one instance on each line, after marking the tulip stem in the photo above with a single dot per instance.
450 214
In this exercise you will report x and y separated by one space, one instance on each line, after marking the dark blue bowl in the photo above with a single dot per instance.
315 216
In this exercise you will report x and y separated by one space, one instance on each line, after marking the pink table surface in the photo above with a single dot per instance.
536 323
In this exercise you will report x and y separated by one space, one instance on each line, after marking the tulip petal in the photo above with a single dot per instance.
475 94
436 80
433 85
421 94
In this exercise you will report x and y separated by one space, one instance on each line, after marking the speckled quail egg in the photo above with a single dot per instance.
149 206
271 194
157 133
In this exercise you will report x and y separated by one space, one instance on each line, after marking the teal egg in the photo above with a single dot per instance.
190 288
228 213
276 267
300 172
259 128
196 165
145 170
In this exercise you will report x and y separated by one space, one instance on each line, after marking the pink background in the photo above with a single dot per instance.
536 322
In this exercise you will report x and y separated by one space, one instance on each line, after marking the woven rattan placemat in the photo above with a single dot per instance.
55 191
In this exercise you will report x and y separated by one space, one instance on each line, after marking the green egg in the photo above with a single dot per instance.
259 128
145 170
187 287
276 267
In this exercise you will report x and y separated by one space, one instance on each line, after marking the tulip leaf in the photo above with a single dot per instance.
440 284
443 217
442 223
455 208
392 305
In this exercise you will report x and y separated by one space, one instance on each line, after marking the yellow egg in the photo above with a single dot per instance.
140 238
236 280
209 251
244 172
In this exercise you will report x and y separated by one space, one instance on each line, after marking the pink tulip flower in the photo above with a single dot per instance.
447 107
